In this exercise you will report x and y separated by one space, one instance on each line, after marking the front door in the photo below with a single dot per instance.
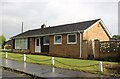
37 45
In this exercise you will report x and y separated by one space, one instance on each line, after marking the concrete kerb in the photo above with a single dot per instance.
23 72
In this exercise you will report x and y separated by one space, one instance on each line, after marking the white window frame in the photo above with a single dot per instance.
16 41
25 39
71 42
54 39
46 43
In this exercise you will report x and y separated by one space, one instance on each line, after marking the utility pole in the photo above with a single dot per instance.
22 28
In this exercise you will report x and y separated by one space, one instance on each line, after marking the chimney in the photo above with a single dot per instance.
22 28
43 26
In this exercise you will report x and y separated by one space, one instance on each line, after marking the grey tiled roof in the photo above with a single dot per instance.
79 26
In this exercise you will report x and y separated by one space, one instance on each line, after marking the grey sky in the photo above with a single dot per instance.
55 12
119 18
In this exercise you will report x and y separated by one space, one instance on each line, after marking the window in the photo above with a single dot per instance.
21 43
58 39
72 39
46 40
37 42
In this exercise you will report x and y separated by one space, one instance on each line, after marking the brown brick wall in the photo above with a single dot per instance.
64 49
32 45
106 54
97 32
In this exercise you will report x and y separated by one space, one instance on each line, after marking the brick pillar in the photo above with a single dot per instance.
85 49
97 49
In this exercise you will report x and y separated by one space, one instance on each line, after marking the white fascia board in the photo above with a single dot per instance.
106 28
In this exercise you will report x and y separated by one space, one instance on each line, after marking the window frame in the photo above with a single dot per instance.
24 41
55 37
71 42
48 39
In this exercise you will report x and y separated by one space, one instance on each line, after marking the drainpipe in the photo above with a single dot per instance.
81 41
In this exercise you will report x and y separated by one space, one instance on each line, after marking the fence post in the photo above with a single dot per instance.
24 57
53 61
100 66
6 55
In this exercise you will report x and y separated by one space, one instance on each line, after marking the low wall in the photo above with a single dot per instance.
21 50
110 54
102 49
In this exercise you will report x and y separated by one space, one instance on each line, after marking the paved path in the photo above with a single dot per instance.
13 75
43 70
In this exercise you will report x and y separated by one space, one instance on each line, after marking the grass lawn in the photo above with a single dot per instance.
67 63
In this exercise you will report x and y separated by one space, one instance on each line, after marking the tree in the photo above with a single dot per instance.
116 37
2 41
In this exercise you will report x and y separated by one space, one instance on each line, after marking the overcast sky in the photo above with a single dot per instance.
55 12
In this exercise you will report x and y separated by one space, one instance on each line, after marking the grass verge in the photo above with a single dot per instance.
66 63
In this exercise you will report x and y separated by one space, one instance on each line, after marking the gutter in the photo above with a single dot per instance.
45 34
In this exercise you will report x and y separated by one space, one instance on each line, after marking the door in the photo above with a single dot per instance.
37 45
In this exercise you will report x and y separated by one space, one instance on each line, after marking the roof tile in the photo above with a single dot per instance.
79 26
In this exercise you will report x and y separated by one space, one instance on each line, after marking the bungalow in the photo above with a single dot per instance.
62 40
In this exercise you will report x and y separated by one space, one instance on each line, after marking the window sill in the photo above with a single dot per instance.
72 43
57 43
45 44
